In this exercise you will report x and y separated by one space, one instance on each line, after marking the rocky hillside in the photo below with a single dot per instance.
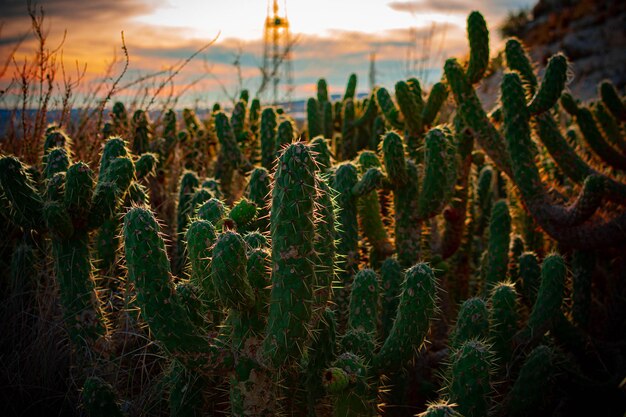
592 33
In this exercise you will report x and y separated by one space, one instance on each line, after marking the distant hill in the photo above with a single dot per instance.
592 33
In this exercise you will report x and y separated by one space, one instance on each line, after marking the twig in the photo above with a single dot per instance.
180 67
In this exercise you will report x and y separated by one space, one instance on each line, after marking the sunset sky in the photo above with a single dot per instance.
335 38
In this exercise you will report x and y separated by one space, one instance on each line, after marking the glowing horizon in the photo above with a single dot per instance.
334 38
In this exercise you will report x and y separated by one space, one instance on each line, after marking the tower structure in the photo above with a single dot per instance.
277 52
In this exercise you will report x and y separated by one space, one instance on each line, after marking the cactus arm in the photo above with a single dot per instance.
83 315
344 180
470 379
347 145
293 234
609 127
370 112
472 322
478 36
148 270
411 111
369 209
363 313
392 277
371 180
439 173
286 134
321 154
408 224
388 108
503 318
474 116
526 174
268 138
321 354
350 88
347 381
214 211
517 60
573 165
436 98
314 121
146 164
19 190
228 271
259 191
325 243
551 86
498 246
596 141
415 309
547 307
393 158
527 396
200 237
530 275
612 100
327 113
188 185
456 211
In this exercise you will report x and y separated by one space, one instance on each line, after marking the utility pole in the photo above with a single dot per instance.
277 59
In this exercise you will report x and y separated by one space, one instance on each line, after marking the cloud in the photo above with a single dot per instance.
428 5
72 10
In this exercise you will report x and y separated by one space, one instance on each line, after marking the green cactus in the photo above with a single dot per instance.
415 308
189 183
363 313
612 100
472 322
532 388
478 36
259 190
369 211
294 272
498 246
503 318
547 307
325 243
469 383
350 88
322 155
268 138
142 136
314 118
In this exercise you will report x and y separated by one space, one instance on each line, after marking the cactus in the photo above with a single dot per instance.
189 182
526 395
503 318
498 247
369 211
259 194
470 378
314 119
472 322
413 115
292 295
268 138
547 307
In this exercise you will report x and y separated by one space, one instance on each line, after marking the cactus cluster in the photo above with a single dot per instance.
395 254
